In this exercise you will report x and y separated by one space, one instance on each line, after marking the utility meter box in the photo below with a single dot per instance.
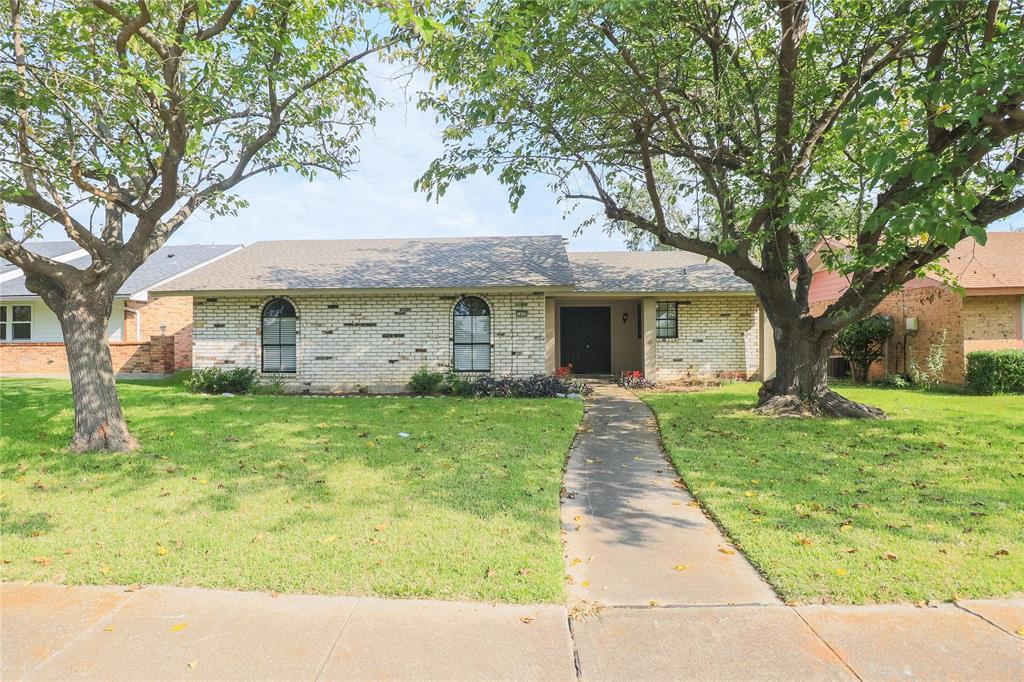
911 323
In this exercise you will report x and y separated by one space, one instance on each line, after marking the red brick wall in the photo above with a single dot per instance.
174 313
155 356
992 323
936 307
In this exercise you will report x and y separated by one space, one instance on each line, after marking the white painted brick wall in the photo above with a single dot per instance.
374 340
716 334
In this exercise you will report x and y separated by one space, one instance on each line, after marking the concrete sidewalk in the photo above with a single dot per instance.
52 632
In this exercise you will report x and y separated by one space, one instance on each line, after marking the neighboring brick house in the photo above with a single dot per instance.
338 315
146 335
987 314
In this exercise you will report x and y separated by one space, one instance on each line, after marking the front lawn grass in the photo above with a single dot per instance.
928 504
289 493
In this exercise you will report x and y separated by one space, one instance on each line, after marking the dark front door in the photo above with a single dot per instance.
586 338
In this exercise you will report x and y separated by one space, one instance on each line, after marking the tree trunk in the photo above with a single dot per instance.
800 385
99 422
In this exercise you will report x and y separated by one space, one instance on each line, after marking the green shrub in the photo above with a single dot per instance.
861 343
216 380
995 371
426 382
455 384
934 365
896 381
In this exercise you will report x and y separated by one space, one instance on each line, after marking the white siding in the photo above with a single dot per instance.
46 326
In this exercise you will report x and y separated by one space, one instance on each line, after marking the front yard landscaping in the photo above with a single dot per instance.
291 494
928 504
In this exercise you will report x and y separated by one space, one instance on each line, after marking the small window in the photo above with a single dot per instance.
471 335
3 323
21 322
667 320
279 336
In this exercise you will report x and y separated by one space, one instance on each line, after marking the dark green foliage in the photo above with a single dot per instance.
995 371
426 382
216 380
536 386
861 343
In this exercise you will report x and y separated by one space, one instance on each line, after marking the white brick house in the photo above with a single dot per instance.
343 314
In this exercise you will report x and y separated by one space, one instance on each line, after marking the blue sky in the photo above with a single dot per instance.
377 198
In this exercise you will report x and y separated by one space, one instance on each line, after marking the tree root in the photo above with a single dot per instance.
105 439
826 403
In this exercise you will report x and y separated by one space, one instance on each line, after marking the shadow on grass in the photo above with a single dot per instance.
482 457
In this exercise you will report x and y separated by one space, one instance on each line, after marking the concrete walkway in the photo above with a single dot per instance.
627 523
666 597
633 534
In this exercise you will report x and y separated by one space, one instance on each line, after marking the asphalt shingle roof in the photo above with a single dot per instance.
998 264
652 272
444 263
48 249
166 262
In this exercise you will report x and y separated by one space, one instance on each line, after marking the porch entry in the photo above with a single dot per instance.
586 339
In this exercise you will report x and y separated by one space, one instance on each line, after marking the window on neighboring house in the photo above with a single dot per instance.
21 322
279 336
3 323
471 335
667 320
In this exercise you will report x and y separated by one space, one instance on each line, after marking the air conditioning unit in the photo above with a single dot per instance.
911 323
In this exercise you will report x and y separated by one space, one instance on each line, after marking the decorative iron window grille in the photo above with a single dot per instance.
279 336
471 335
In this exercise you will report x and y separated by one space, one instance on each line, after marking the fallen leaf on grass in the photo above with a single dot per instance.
275 594
161 550
840 571
576 561
178 627
490 573
803 540
749 493
43 560
380 528
889 556
329 539
726 550
1002 552
105 570
845 527
693 503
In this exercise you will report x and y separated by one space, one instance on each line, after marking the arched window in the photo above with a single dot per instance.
279 336
471 324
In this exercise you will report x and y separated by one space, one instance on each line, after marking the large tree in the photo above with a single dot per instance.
752 132
119 120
